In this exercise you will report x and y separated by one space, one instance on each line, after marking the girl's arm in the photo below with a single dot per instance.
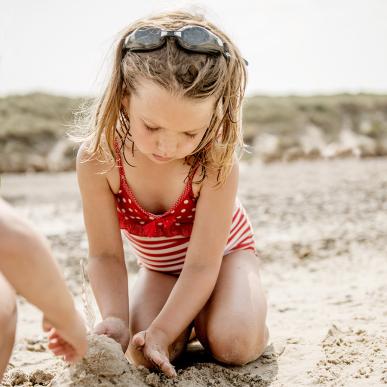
27 263
204 256
106 267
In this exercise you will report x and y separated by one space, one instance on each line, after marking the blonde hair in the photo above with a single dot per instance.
189 74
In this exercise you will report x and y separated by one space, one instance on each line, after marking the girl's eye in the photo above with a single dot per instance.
190 135
151 129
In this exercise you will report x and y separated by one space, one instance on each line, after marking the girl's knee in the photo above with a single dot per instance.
8 317
8 310
236 346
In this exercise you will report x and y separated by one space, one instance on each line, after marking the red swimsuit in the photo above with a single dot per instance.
160 242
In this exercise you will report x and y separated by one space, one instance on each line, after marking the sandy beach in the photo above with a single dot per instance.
321 229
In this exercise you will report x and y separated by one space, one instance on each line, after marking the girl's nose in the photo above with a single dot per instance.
166 147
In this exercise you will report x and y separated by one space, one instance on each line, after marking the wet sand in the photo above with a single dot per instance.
321 228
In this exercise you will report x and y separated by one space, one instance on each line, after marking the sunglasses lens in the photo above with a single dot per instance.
147 38
195 35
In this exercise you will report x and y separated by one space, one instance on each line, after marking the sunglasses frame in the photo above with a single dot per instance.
213 46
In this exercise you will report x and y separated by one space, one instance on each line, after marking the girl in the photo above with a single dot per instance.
27 267
160 164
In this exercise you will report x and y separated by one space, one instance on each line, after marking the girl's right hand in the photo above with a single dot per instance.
115 328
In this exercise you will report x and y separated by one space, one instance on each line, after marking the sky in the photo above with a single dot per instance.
293 46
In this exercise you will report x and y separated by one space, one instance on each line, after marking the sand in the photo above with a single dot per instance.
321 230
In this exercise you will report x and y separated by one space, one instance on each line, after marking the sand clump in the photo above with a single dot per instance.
35 378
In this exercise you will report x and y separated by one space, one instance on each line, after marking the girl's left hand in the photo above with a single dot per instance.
154 345
68 340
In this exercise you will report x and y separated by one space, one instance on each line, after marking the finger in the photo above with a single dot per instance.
155 357
52 346
58 351
53 334
66 347
46 326
162 362
57 342
139 340
100 330
167 368
56 339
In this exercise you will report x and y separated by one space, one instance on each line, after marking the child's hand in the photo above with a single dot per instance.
154 345
116 329
68 340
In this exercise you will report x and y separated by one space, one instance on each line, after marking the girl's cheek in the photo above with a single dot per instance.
189 149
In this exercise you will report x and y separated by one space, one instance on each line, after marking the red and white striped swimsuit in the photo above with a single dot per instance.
160 242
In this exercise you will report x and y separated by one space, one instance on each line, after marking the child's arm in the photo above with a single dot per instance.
201 268
27 263
106 267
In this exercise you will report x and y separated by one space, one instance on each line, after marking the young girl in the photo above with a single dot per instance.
27 267
160 164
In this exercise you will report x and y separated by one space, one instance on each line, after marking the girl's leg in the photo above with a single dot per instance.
146 299
7 322
232 323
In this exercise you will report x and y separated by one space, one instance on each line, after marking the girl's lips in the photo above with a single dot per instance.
160 158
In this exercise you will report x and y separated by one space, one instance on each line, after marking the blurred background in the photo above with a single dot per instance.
317 74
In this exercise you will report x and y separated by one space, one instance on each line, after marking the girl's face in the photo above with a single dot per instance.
166 127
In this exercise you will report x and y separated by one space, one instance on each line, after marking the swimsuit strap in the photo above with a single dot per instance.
120 166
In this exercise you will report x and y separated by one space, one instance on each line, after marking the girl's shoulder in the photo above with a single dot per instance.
211 181
95 165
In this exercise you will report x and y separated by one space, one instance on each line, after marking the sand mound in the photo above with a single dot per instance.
106 365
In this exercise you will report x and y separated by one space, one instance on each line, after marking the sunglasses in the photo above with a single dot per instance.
192 38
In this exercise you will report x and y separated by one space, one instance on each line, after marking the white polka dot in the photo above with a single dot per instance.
178 217
129 201
151 218
120 191
159 224
142 222
118 209
190 216
183 210
194 209
132 217
173 211
177 224
126 218
123 210
137 217
130 210
118 200
135 211
185 201
124 200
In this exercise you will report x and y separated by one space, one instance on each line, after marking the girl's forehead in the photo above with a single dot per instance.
161 107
